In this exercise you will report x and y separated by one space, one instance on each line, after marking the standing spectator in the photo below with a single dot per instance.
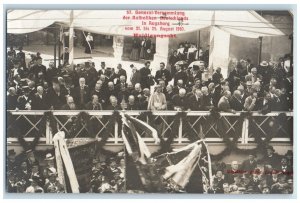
135 75
146 77
135 51
89 43
180 75
120 72
162 74
81 94
217 76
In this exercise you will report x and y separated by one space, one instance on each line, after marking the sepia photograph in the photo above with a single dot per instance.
149 101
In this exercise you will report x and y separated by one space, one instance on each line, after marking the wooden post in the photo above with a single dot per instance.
71 34
259 50
180 132
116 132
59 49
55 40
199 44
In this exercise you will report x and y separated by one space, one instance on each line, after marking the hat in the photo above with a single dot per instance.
264 63
102 63
49 157
11 152
131 66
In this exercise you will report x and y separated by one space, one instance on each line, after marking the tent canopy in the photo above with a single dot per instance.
110 22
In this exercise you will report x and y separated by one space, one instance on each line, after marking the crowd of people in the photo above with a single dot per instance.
272 174
28 174
266 87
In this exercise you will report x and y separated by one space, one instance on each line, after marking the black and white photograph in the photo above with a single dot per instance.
149 101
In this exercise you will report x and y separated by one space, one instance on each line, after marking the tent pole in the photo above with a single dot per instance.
55 40
199 44
71 34
59 50
260 49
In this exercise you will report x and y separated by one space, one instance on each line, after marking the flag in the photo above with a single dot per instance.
133 142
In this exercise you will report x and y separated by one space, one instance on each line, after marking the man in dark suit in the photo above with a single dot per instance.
236 101
144 100
180 75
180 101
120 72
250 164
146 77
39 67
135 75
194 74
70 105
113 105
271 158
24 102
81 94
217 76
39 101
162 74
55 97
196 101
224 104
93 104
132 104
265 104
12 99
121 82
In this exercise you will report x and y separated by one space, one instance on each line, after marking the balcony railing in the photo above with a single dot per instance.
28 124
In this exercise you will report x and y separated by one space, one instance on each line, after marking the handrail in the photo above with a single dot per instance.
138 112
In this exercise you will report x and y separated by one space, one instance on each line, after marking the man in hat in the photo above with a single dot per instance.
265 71
34 185
162 74
284 168
271 158
248 166
53 186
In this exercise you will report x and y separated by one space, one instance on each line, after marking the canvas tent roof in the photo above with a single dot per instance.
239 23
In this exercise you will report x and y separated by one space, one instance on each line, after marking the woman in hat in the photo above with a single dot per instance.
50 168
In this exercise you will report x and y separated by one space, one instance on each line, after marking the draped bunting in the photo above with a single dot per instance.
239 23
